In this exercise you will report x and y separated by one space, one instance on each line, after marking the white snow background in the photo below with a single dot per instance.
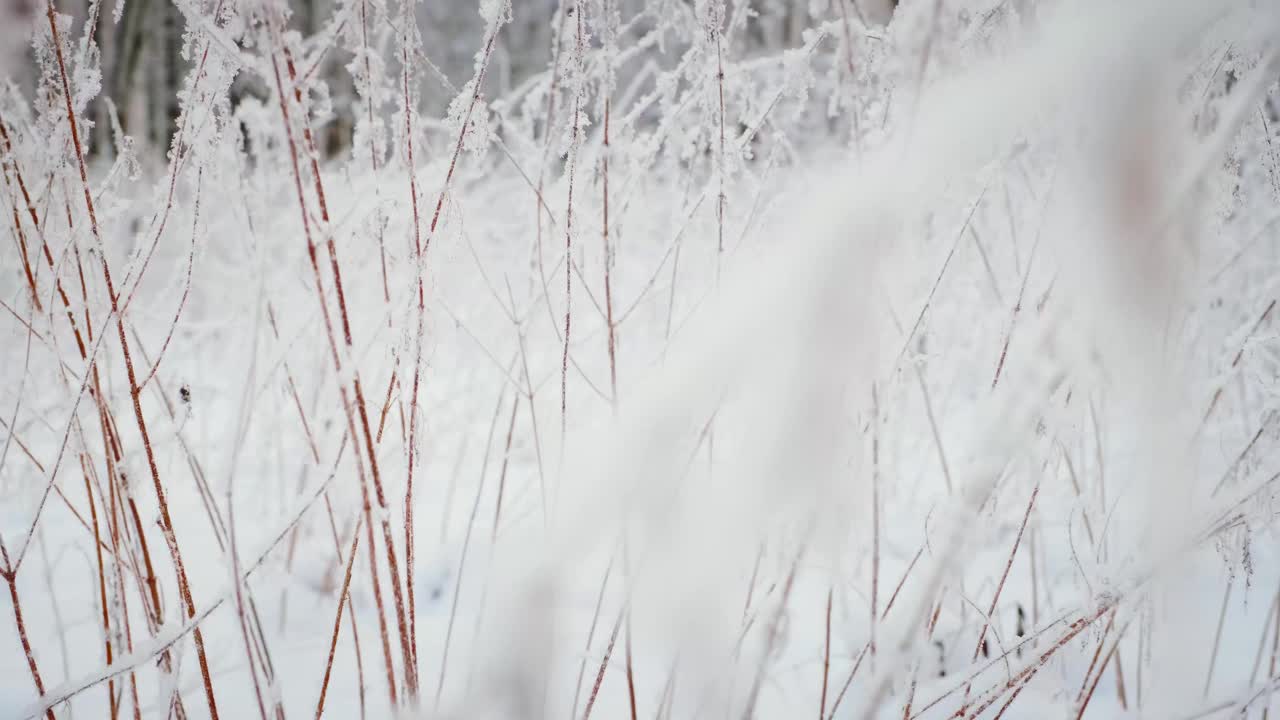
925 370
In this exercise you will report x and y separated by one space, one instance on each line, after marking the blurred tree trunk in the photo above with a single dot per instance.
308 17
100 139
171 61
159 56
128 42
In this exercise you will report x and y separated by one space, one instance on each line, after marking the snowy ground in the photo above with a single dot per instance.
936 394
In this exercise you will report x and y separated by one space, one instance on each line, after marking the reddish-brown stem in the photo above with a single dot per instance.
117 525
995 599
608 266
18 233
408 523
21 238
10 575
419 256
540 204
901 581
933 428
1235 362
631 678
1097 654
604 664
1120 691
153 587
717 9
238 595
351 613
826 657
35 221
502 475
1084 701
293 391
342 389
591 633
865 648
1020 679
337 617
186 286
568 244
386 405
406 648
166 521
154 611
1217 637
102 593
751 584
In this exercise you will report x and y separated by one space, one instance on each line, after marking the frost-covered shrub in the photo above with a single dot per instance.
663 358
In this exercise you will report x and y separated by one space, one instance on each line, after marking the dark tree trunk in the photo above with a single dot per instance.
129 40
173 71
